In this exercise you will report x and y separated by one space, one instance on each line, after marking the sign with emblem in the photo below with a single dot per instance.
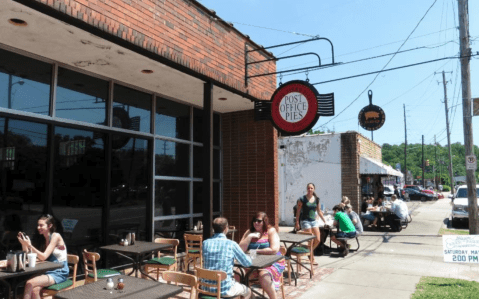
471 162
371 117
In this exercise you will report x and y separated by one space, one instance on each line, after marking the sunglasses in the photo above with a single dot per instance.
258 220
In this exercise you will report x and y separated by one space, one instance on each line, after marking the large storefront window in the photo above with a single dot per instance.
172 158
131 109
23 164
129 194
198 197
172 119
171 198
198 127
79 181
81 97
24 83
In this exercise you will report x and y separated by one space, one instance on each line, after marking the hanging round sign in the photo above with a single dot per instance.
294 107
371 117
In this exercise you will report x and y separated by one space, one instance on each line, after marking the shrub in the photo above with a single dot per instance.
446 188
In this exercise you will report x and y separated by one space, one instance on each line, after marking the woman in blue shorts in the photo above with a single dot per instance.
308 206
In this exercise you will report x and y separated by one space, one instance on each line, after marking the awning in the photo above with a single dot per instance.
370 166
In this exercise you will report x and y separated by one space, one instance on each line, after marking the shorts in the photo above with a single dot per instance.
369 216
237 289
305 224
346 235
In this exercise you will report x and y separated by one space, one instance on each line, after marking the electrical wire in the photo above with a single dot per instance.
417 25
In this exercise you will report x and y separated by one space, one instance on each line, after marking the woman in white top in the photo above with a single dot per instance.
49 246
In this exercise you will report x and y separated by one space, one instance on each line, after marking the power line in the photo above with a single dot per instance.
417 25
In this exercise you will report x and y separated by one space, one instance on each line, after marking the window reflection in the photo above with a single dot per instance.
23 156
198 162
198 197
24 83
129 194
171 198
81 97
172 158
131 109
79 178
198 127
172 119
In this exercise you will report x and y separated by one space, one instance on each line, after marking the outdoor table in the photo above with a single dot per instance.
295 239
261 261
40 268
380 214
134 288
139 250
200 232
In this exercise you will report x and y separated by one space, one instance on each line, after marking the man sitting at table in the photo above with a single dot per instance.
355 219
219 253
399 208
346 229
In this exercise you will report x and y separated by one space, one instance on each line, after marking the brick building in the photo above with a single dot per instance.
131 115
338 164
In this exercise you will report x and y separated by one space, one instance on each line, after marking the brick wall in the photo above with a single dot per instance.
250 169
182 31
350 168
369 148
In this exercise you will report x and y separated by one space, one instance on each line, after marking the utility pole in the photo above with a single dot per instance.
405 146
447 129
423 183
435 161
465 51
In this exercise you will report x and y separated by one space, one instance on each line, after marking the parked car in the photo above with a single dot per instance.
460 211
388 191
418 193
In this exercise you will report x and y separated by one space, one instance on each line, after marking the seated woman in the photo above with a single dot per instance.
264 238
366 208
49 246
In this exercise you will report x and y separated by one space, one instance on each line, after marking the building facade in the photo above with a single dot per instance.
109 110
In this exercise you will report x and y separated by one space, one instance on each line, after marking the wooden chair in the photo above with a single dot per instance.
163 263
232 227
287 263
72 261
194 250
92 274
304 251
186 279
216 276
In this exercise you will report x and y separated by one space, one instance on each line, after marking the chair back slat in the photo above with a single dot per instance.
173 242
73 260
183 278
89 260
193 242
216 276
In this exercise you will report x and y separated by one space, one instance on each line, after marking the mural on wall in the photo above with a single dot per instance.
308 159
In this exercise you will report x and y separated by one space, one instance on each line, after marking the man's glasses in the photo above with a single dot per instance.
258 220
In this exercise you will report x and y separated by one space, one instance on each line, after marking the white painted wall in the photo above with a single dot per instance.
308 159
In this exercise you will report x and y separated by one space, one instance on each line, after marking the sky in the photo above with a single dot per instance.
362 29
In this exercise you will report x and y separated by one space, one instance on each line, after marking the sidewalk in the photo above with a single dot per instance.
389 265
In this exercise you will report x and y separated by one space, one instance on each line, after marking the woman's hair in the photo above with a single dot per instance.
345 200
265 221
38 240
314 193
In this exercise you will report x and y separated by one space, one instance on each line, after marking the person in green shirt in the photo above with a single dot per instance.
346 229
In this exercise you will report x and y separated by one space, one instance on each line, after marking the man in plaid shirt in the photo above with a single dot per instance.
219 253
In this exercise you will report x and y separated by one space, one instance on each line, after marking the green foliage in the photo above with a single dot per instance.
446 188
442 288
393 154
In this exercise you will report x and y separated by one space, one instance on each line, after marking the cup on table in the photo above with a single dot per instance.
32 260
252 254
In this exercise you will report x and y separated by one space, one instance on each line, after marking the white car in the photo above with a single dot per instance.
460 210
388 191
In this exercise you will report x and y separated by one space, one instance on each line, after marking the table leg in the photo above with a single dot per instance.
288 254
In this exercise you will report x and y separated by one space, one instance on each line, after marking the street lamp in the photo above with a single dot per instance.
10 85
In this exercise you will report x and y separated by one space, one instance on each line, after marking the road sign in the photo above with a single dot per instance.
471 162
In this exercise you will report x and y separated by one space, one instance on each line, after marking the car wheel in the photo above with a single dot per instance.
453 222
423 198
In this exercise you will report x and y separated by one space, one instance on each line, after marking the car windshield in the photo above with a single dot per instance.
387 189
463 192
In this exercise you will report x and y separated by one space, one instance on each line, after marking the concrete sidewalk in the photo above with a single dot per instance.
389 265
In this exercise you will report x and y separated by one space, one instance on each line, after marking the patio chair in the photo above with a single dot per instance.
305 250
69 283
232 227
163 263
186 279
194 250
203 277
92 274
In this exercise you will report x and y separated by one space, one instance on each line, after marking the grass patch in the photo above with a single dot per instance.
445 231
445 288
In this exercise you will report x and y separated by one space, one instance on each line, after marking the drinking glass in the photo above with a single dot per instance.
252 254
